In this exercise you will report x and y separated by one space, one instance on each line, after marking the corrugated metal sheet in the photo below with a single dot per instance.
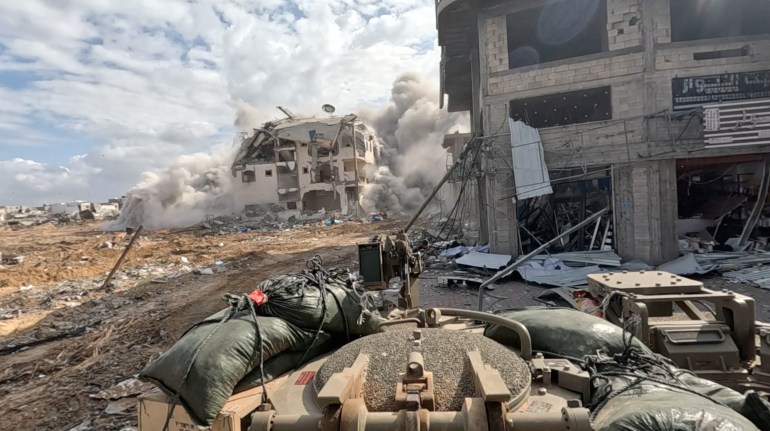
565 277
484 260
737 124
732 261
597 257
529 169
757 276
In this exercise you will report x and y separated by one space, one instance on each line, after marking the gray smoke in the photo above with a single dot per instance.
412 160
195 186
246 116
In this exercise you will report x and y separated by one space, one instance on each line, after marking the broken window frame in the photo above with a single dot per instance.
540 216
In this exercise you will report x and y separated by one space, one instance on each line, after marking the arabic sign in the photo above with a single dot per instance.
694 92
737 123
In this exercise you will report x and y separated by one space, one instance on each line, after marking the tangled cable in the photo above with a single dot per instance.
635 365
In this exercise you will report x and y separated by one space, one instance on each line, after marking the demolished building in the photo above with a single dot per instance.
658 110
305 165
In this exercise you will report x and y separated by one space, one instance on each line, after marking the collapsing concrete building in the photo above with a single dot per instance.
305 165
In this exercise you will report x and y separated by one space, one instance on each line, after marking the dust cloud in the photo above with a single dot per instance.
246 117
411 159
193 187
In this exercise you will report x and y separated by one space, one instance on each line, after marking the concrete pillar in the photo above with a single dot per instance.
645 201
499 184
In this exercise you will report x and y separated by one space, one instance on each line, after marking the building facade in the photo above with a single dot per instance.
616 89
305 165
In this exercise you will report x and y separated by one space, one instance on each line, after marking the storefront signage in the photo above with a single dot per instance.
737 123
694 92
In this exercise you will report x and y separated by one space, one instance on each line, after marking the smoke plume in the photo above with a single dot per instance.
412 160
246 116
195 186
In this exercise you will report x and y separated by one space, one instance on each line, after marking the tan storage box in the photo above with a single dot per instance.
153 409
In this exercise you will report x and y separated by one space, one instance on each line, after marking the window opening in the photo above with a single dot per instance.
711 19
248 177
559 30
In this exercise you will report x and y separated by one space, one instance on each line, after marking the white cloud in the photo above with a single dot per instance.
148 81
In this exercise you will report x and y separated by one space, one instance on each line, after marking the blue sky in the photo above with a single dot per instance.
95 94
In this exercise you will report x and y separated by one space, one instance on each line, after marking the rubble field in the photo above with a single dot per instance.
65 341
70 349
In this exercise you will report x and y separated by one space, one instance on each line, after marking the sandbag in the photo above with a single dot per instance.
563 331
282 364
297 298
750 405
653 407
219 354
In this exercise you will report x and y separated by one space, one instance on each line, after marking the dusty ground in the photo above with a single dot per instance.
81 339
110 335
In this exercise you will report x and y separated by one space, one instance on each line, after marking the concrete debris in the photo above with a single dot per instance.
126 388
84 426
19 216
454 278
105 245
261 221
120 406
11 259
203 271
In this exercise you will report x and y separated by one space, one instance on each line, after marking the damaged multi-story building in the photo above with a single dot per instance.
657 109
305 165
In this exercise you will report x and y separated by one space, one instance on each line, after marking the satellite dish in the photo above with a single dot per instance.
329 109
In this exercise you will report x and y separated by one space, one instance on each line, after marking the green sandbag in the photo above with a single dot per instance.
297 298
563 331
282 364
653 407
222 353
750 405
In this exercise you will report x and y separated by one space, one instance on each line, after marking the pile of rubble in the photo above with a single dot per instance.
271 221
